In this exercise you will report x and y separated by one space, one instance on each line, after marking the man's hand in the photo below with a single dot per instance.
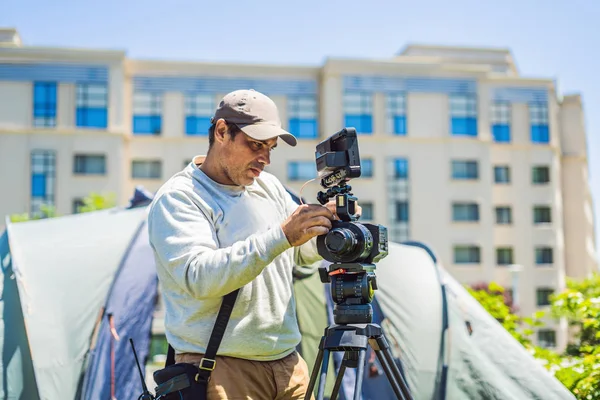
308 221
331 206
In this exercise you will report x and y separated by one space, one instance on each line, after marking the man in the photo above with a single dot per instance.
222 224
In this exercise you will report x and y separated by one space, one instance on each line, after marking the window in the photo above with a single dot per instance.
396 113
44 104
467 255
465 212
146 169
401 168
358 109
546 338
43 180
463 115
199 109
502 174
504 256
92 106
366 168
540 174
302 112
500 118
503 215
543 296
402 211
538 119
88 164
367 211
544 255
301 170
542 215
465 170
147 111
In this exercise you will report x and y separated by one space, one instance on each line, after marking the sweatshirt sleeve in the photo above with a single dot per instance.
185 242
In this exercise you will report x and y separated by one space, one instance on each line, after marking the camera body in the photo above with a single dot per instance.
352 242
351 247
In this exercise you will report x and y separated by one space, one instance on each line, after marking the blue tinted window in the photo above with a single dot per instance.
366 168
463 115
396 113
501 121
199 109
301 170
465 170
92 106
401 168
465 212
538 119
44 104
43 180
147 111
302 114
358 110
402 212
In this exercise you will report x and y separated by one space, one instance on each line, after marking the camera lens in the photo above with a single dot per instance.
339 241
348 242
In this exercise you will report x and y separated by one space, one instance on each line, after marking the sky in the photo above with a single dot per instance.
552 39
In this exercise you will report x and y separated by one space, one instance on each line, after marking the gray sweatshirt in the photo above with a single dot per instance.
210 239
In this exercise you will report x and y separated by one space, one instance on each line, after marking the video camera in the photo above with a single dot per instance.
353 248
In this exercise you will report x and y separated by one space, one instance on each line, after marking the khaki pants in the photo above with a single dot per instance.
238 379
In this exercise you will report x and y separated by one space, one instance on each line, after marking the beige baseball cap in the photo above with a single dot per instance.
254 113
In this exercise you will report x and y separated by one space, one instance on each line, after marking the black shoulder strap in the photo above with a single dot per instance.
207 364
170 356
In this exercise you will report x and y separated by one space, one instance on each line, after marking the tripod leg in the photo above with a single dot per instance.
396 371
315 372
390 375
360 372
338 381
323 378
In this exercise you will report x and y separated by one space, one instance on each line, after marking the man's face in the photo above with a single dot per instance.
243 158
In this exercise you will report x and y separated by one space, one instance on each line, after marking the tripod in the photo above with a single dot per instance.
354 339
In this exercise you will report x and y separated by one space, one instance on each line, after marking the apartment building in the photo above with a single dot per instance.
458 150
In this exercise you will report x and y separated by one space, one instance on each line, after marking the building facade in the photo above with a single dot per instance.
458 150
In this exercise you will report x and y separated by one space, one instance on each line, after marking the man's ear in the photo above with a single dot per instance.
220 130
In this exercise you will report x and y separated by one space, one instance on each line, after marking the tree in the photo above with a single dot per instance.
45 212
96 201
92 202
579 304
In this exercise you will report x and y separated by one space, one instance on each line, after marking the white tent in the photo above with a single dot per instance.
57 276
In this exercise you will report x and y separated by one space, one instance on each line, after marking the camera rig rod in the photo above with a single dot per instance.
323 197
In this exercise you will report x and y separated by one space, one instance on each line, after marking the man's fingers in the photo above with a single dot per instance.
320 221
316 210
317 230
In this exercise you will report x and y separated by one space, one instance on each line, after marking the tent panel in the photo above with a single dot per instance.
65 268
490 363
410 297
17 380
131 304
312 318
